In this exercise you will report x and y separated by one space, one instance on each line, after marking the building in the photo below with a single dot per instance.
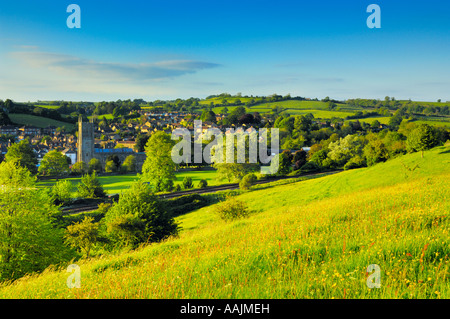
86 147
85 142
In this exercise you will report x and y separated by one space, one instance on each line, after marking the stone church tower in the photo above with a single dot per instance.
85 142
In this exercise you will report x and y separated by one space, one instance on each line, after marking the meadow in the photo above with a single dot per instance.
115 184
38 121
306 239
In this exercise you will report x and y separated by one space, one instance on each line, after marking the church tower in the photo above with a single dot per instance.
85 142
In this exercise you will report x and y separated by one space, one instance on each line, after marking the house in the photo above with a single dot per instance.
71 153
8 129
30 130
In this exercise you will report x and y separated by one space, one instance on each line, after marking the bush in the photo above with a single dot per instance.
83 235
187 182
203 183
355 162
247 181
62 192
138 217
90 187
232 209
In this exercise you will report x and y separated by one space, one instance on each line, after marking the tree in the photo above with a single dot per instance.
62 192
420 139
375 151
54 163
80 168
90 187
230 171
159 164
95 165
187 182
110 167
247 181
285 162
29 242
83 235
138 217
23 154
129 165
203 183
299 159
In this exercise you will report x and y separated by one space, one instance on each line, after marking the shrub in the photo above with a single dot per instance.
232 209
187 182
203 183
247 181
62 192
90 187
138 217
83 235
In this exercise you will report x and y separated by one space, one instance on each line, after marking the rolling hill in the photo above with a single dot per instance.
308 239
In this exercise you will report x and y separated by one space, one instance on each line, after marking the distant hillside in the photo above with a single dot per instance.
38 121
308 239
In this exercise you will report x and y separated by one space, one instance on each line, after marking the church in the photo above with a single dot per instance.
86 149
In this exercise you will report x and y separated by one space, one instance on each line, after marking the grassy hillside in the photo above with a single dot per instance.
309 239
38 121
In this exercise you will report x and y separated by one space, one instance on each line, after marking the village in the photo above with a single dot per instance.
115 134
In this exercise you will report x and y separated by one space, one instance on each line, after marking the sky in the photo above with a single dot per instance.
167 49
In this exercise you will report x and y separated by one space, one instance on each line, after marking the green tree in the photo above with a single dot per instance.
138 217
202 183
187 182
247 181
54 163
420 139
95 166
62 192
129 165
29 242
285 162
23 154
80 168
90 187
158 165
83 235
230 171
110 167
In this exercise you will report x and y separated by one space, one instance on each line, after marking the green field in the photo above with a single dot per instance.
38 121
308 239
115 184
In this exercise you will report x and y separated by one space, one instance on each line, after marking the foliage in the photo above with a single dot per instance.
90 187
158 165
24 155
62 192
129 165
54 163
187 182
28 240
203 183
247 181
110 167
139 217
232 209
83 235
421 138
80 168
95 165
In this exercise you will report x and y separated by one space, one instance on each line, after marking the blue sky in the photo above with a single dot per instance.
167 49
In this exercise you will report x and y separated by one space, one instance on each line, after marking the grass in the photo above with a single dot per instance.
115 184
38 121
308 239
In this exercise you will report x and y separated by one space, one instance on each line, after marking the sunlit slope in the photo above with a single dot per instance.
311 239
